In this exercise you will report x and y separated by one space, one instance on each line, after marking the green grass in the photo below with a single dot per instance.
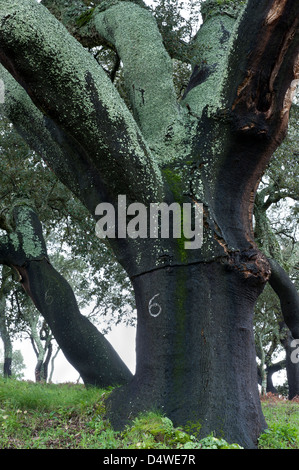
69 416
282 417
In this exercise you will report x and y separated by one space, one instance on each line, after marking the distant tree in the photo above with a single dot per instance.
276 232
18 365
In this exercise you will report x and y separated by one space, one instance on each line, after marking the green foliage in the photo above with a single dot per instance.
41 416
215 7
279 437
282 417
48 416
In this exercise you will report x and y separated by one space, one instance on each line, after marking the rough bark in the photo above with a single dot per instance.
42 352
219 141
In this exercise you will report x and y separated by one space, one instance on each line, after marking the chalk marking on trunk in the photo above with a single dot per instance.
152 305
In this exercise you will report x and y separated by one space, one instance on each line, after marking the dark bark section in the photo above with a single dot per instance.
199 75
262 64
270 371
288 296
7 371
82 344
185 368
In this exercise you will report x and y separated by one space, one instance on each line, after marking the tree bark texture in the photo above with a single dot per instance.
4 333
195 352
195 348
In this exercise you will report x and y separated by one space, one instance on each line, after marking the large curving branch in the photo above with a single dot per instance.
133 32
249 109
69 86
147 67
62 154
90 353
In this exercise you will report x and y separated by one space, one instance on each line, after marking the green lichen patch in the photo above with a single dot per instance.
32 243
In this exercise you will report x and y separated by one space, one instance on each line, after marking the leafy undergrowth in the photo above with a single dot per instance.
68 416
282 416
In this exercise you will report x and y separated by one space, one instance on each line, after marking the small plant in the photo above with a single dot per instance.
154 431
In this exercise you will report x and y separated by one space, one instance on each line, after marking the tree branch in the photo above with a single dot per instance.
132 31
69 86
59 150
209 51
147 66
249 109
288 296
83 345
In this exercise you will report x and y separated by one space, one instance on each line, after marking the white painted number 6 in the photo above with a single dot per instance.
154 305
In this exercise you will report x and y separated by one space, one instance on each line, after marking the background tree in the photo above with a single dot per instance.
210 148
276 232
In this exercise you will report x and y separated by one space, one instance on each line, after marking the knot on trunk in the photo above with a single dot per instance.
251 264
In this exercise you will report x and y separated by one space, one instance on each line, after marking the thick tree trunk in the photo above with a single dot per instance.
196 358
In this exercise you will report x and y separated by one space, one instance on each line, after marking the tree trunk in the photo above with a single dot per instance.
195 348
292 368
38 371
46 361
4 334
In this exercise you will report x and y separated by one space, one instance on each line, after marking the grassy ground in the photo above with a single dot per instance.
68 416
